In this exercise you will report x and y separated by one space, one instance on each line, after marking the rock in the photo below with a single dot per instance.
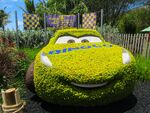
29 78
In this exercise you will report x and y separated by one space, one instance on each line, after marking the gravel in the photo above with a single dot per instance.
139 102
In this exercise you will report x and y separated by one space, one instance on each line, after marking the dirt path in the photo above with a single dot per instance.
139 102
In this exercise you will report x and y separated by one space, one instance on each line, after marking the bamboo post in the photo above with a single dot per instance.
10 96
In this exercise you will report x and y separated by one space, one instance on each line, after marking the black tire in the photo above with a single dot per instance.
29 78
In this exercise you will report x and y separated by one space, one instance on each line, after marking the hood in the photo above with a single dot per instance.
85 63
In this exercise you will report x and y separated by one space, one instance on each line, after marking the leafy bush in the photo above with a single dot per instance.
108 29
7 39
89 65
32 39
7 65
135 20
110 33
12 63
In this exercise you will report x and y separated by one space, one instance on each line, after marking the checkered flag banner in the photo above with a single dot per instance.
89 20
53 20
31 21
61 21
67 21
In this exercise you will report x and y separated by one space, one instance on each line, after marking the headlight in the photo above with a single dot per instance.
125 57
45 60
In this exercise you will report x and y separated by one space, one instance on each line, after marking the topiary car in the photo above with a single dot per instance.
78 67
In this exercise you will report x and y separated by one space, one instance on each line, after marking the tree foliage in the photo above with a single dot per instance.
30 6
134 21
3 18
113 9
62 7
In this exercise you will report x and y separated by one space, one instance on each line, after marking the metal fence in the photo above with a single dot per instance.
138 44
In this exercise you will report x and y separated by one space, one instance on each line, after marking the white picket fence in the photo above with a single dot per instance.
138 44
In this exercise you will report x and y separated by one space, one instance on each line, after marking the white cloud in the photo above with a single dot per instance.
20 23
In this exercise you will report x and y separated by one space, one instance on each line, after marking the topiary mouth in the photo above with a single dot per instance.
89 86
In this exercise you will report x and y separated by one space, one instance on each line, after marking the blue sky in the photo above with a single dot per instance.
13 5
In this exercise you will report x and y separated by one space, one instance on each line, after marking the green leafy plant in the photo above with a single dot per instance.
7 39
12 63
7 65
135 20
33 39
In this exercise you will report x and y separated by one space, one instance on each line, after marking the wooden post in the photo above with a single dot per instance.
148 44
45 27
102 14
78 25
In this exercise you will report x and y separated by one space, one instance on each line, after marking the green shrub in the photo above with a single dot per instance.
12 63
135 20
96 65
7 65
32 39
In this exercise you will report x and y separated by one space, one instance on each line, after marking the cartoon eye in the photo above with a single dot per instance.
71 41
84 41
66 39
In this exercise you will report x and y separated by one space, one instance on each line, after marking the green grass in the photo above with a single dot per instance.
143 68
30 52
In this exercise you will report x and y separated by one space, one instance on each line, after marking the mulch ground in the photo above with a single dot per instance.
138 102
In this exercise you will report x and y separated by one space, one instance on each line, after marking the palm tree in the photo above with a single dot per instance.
3 19
30 6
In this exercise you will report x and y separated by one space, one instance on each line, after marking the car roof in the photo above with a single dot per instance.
76 33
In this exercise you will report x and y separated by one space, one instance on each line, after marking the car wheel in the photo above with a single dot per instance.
29 78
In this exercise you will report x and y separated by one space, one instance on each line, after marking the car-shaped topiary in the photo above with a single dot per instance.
79 68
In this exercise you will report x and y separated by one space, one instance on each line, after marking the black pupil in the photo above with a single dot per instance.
84 41
71 41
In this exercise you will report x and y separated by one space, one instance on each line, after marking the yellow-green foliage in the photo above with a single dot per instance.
74 32
93 65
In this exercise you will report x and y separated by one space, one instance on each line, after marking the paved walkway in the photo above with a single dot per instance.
139 102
